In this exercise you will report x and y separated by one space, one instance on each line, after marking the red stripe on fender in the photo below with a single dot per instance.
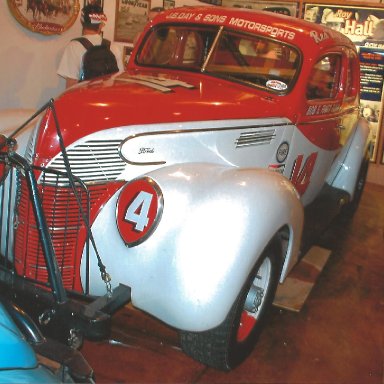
323 134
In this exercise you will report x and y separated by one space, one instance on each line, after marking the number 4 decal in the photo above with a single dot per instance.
139 209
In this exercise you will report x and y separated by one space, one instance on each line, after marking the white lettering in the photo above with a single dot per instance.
215 19
180 16
263 28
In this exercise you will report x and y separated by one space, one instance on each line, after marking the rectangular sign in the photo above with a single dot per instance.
371 91
363 25
131 17
283 7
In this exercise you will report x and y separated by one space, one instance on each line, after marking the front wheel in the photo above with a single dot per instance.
227 345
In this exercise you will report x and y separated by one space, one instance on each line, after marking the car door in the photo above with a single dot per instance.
318 139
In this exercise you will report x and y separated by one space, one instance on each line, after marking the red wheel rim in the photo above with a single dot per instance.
247 323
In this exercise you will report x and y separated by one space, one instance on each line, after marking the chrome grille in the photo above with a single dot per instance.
259 137
93 161
67 230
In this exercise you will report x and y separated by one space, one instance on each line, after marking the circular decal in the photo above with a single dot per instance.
139 209
282 152
277 85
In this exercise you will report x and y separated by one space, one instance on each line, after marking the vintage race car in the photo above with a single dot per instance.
197 168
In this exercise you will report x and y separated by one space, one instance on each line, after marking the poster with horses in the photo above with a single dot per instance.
48 17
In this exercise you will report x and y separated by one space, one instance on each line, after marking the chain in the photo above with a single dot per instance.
107 280
16 221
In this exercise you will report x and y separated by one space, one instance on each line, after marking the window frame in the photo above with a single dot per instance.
336 81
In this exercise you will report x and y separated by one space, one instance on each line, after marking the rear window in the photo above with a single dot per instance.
323 82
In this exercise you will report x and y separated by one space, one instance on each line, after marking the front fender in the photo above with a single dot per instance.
215 224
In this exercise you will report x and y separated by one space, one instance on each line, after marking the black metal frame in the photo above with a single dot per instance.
62 314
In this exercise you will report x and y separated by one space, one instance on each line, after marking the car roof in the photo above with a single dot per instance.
304 34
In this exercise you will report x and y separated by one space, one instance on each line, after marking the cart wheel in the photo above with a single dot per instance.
229 344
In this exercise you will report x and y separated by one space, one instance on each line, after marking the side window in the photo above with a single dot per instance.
324 79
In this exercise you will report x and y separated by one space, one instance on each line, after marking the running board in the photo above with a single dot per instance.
293 293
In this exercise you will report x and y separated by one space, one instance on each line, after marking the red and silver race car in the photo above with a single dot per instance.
199 164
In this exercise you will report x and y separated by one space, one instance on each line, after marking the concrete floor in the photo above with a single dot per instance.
337 337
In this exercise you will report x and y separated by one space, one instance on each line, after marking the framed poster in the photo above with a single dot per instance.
283 7
131 17
169 4
371 91
363 25
100 3
45 17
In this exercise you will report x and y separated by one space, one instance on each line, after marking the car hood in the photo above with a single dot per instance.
147 97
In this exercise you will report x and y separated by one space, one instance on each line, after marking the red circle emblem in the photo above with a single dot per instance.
139 209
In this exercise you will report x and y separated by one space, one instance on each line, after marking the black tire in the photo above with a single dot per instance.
229 344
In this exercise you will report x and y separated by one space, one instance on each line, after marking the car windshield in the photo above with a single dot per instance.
252 59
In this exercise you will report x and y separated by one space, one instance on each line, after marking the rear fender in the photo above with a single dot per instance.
215 224
344 173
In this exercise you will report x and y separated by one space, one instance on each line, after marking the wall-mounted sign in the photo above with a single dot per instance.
363 25
371 90
131 17
48 17
283 7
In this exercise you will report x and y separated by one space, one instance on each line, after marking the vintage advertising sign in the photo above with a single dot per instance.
283 7
363 25
45 17
131 17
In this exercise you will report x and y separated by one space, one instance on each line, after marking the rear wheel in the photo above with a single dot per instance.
227 345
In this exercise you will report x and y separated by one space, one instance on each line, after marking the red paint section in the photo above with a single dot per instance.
68 231
324 134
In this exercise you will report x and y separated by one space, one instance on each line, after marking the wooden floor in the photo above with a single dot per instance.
337 337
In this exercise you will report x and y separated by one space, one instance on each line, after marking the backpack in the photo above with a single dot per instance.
98 60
